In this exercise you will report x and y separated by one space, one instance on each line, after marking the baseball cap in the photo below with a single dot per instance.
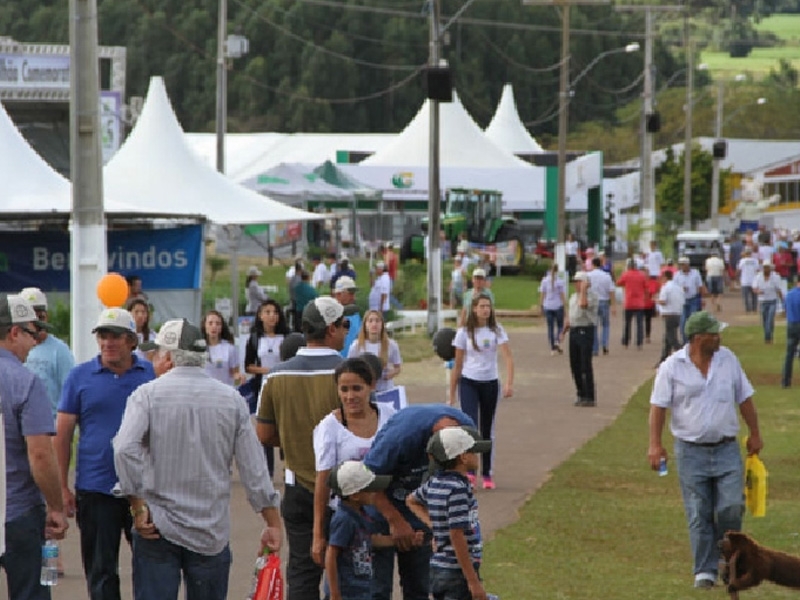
683 260
581 276
322 311
353 476
291 344
177 334
380 265
767 263
36 297
254 270
479 273
15 310
117 320
450 442
345 283
703 322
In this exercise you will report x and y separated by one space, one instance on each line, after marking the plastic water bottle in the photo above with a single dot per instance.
49 574
662 467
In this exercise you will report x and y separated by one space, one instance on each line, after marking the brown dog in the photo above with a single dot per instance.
748 563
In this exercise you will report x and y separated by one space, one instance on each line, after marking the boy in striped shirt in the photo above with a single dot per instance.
446 503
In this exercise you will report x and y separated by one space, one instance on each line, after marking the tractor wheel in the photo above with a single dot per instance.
407 251
509 234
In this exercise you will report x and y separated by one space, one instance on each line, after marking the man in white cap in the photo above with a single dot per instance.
209 422
691 282
50 359
94 398
580 321
767 286
295 396
381 288
479 288
345 293
32 506
255 295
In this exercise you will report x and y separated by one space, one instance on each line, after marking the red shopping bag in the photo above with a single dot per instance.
270 580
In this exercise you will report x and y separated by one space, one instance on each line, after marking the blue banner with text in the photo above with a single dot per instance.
165 259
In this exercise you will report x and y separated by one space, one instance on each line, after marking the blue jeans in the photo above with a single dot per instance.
102 520
158 565
749 298
479 401
23 558
603 319
413 565
712 485
792 341
555 325
768 308
449 584
691 306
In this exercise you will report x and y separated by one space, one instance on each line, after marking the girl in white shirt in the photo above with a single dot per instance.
140 311
475 373
344 434
223 356
373 339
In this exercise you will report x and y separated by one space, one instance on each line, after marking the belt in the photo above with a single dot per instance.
725 440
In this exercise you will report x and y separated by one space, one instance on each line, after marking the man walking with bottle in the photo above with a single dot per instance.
34 509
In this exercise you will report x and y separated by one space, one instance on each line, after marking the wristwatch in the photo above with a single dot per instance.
143 508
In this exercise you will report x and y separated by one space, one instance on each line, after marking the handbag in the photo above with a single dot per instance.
755 486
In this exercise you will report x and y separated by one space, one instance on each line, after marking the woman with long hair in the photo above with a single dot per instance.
373 338
552 295
475 374
344 434
263 352
223 356
140 311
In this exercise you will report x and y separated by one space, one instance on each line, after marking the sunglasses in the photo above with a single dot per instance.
345 323
30 332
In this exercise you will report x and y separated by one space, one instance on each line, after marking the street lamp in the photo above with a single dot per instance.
563 108
720 145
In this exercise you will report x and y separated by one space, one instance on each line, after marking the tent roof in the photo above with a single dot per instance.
462 142
296 181
507 130
156 171
335 176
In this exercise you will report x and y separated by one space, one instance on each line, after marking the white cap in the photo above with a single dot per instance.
380 265
479 273
36 297
450 442
118 320
683 260
354 476
254 270
177 334
15 310
581 276
345 283
322 311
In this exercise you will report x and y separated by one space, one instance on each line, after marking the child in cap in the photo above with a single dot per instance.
348 559
446 503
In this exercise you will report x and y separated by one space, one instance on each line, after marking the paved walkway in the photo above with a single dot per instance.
537 430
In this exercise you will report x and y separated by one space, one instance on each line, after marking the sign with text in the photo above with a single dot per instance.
165 259
27 71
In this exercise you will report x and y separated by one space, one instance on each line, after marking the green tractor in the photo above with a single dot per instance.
478 214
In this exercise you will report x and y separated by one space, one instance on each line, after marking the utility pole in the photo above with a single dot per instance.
434 192
687 140
88 256
647 196
715 164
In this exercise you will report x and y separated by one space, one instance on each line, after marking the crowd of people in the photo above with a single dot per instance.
161 422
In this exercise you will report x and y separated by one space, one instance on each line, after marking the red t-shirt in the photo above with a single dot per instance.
653 286
635 284
391 265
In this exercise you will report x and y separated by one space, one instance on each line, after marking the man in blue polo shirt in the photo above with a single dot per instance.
399 450
792 304
33 503
94 398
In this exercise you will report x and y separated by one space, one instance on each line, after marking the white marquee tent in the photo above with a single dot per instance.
506 128
462 142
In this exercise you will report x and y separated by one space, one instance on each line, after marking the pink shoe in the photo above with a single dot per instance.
471 477
488 483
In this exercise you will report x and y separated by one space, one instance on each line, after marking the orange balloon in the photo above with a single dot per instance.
112 290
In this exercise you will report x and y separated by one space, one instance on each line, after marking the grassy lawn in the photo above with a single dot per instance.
757 65
605 526
786 27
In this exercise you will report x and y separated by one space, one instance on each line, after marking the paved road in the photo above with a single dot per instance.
537 429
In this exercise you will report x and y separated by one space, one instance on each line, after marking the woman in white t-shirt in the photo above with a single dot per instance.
346 433
223 356
373 339
263 352
475 373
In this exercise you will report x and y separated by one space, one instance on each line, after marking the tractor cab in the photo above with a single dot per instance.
479 213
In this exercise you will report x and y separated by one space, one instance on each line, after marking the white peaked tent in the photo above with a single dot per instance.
507 130
30 185
462 142
156 171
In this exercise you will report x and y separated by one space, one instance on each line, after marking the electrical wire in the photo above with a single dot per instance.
516 64
618 91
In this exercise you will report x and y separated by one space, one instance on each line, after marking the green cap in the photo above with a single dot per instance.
703 322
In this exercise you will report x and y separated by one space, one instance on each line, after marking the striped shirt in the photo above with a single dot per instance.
175 448
451 505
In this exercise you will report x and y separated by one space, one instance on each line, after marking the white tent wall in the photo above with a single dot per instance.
506 128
